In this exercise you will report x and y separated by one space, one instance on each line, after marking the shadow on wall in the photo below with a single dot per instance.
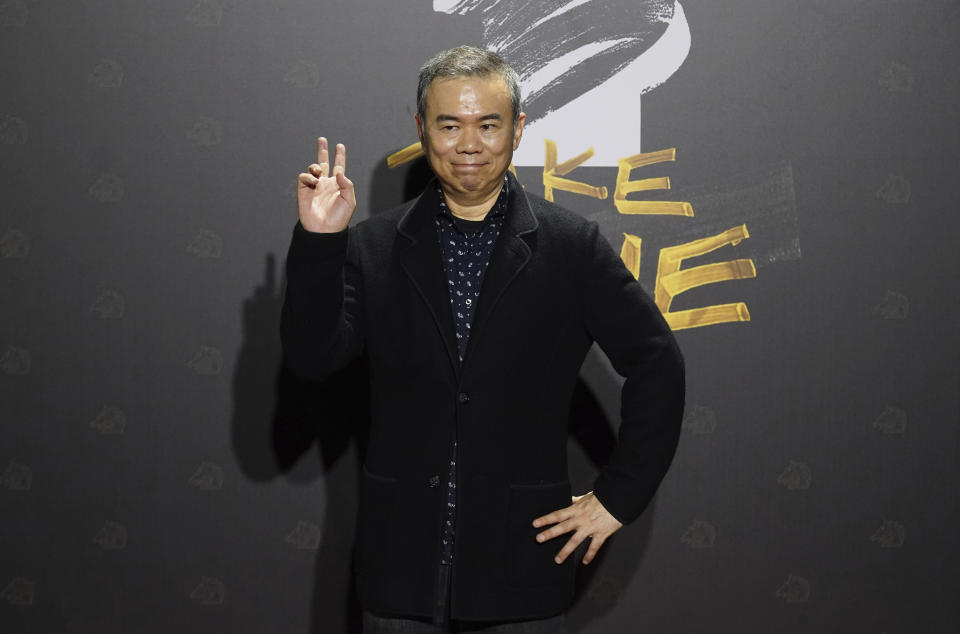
278 419
391 186
595 404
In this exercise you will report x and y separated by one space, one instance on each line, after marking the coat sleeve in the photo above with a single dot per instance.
321 321
628 326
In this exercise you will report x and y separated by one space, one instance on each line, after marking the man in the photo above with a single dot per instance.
476 304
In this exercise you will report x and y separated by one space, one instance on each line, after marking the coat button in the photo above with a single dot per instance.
434 481
463 397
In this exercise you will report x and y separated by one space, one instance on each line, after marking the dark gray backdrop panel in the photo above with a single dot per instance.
158 474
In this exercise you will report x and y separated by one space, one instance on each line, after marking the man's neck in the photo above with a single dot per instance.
470 211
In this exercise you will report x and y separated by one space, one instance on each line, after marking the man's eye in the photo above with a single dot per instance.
488 126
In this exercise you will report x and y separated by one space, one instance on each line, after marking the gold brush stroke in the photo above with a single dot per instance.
671 281
552 172
626 186
630 253
655 208
708 316
407 154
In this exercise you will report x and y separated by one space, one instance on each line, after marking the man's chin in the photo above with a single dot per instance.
470 185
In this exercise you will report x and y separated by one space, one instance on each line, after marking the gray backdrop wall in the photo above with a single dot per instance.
159 473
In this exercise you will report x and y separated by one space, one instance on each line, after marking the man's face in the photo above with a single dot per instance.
469 136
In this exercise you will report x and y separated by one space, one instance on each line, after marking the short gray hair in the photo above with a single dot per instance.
467 61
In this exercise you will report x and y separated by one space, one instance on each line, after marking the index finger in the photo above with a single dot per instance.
323 155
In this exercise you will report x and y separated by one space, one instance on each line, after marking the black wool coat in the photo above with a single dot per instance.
552 287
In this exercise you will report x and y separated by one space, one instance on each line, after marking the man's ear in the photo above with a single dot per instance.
518 129
416 118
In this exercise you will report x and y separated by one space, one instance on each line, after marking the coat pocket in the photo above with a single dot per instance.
530 562
378 497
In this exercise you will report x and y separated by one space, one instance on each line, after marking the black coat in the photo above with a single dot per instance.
552 287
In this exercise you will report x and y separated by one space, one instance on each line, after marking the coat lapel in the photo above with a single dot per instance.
421 260
510 255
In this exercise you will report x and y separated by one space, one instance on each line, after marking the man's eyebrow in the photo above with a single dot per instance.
449 117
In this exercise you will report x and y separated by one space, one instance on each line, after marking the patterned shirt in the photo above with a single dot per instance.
466 247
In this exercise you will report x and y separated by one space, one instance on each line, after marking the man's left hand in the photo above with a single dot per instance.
587 518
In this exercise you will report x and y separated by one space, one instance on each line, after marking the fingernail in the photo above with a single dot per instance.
557 559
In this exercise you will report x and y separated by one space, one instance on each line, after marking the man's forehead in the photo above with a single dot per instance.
484 86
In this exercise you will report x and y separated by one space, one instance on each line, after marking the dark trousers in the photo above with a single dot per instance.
442 624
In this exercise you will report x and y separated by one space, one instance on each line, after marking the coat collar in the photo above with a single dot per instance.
421 260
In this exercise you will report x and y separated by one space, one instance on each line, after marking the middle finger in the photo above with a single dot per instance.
340 159
556 529
569 547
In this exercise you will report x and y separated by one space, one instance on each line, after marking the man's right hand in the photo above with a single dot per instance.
326 200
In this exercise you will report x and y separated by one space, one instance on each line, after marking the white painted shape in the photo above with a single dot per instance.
667 54
607 118
445 6
556 67
570 5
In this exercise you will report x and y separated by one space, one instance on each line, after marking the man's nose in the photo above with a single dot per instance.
469 142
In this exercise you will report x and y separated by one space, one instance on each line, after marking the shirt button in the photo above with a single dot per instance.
469 301
463 397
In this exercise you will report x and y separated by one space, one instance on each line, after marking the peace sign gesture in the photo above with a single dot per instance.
326 203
